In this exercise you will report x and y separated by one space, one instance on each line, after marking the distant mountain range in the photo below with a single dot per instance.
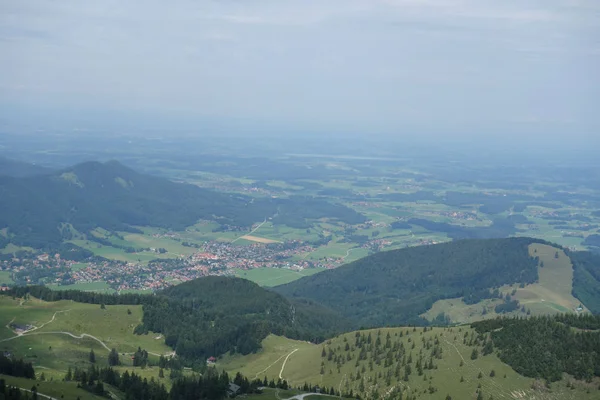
42 210
19 169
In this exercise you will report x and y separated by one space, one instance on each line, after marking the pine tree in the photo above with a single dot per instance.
113 358
92 356
474 354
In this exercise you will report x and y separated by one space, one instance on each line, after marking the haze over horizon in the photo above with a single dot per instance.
448 68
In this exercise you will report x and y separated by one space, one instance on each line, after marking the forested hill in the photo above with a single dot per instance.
37 209
395 287
547 347
214 315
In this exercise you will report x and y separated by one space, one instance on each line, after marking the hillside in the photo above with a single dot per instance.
557 290
403 362
42 211
214 315
586 278
395 287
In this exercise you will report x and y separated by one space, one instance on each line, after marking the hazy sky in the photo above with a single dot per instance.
389 66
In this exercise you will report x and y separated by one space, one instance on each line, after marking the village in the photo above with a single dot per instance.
212 258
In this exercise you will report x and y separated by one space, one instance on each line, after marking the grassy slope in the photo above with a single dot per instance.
550 295
304 364
53 353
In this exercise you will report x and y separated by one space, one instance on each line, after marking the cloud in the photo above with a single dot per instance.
344 63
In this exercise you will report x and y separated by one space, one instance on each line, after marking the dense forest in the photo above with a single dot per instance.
394 287
214 315
586 278
546 347
40 211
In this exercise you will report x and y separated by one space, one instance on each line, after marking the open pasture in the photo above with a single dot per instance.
275 276
337 363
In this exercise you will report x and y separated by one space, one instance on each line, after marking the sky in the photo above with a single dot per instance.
397 67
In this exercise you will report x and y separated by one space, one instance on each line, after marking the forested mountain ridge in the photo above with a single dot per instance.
395 287
39 210
214 315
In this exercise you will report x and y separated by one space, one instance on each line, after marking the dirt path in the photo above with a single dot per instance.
285 362
251 232
39 394
83 335
18 334
266 369
348 253
302 396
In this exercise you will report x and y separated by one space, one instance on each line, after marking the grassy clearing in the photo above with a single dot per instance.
5 278
304 363
78 266
11 249
553 291
99 286
275 276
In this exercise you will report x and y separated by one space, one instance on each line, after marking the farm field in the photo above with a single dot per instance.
99 286
331 365
274 276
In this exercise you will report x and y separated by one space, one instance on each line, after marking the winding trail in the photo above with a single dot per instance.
82 336
285 362
348 253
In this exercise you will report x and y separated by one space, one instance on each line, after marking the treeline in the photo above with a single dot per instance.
395 287
46 294
133 386
546 347
14 367
215 315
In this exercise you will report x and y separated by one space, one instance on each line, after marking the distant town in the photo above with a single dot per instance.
212 258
